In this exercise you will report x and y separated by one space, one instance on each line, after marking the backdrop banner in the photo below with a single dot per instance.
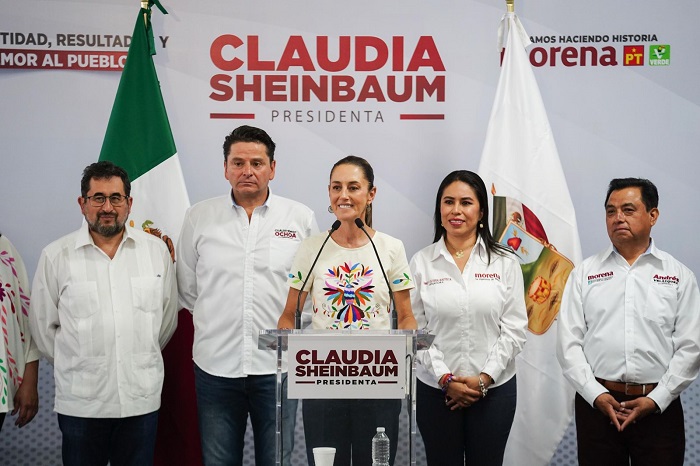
409 86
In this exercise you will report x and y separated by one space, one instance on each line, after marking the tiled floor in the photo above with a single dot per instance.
39 443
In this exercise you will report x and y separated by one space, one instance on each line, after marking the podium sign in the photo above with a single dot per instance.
346 364
341 366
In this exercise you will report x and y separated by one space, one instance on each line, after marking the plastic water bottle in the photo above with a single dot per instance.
380 448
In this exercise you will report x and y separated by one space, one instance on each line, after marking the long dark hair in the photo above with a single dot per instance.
483 230
369 174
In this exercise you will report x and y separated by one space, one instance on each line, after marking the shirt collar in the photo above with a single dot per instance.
84 239
265 204
652 250
441 248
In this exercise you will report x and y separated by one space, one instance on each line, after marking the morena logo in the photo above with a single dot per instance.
325 68
600 275
595 50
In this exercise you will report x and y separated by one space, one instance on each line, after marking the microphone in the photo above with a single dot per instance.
392 305
297 313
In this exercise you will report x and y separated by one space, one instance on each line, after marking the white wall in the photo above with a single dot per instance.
608 121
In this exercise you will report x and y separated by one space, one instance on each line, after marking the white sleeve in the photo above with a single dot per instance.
685 362
43 308
431 359
513 324
186 265
571 330
170 301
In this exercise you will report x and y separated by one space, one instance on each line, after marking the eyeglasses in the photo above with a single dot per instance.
98 200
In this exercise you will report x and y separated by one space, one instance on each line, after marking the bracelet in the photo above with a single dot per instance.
483 388
447 381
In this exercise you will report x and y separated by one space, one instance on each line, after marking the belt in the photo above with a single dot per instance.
635 389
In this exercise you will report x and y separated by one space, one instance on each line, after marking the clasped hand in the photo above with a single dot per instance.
462 392
624 413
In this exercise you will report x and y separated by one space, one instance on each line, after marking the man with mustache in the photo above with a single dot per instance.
104 303
628 338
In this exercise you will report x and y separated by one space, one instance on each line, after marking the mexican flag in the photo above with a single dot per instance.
139 139
533 215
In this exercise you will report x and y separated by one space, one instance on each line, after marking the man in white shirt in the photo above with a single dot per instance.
629 338
103 304
234 256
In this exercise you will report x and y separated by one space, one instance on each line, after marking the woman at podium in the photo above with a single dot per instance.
349 292
469 293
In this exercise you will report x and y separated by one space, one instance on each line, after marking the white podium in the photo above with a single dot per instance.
347 364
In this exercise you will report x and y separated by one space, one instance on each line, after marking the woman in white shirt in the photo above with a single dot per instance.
469 293
348 291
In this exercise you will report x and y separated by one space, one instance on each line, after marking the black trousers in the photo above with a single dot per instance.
473 436
349 425
656 440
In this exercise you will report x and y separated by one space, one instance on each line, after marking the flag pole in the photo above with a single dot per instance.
144 6
510 4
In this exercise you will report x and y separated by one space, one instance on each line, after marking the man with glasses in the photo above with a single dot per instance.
104 303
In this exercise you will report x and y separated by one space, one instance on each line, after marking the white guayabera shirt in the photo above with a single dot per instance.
102 322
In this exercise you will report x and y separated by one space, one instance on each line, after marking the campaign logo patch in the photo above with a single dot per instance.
436 281
281 233
666 279
600 277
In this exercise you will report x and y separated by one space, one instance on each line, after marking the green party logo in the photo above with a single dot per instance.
659 55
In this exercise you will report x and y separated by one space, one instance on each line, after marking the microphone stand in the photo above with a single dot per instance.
297 312
392 305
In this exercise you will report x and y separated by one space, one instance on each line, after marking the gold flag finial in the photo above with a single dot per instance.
144 6
511 5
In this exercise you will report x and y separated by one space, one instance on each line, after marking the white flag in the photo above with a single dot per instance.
533 214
